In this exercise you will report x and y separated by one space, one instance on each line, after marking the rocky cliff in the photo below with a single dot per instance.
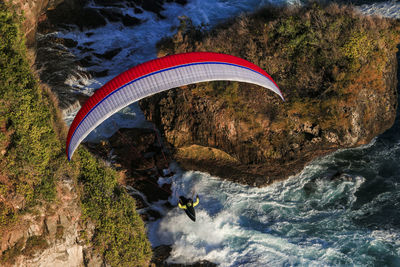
339 82
55 62
40 215
50 236
50 212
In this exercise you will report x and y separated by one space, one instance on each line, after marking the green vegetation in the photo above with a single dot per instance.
120 234
32 160
29 146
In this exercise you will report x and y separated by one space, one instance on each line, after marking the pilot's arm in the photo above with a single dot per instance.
181 206
196 202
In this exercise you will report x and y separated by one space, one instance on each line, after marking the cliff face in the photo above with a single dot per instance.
263 150
47 237
52 212
32 10
335 98
40 215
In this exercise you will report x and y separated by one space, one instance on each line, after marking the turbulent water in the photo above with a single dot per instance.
342 209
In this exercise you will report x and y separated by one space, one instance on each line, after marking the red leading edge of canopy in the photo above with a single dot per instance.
154 66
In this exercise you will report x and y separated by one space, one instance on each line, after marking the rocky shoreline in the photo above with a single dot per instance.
141 159
271 140
138 154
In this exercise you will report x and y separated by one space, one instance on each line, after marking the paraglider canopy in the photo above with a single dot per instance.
159 75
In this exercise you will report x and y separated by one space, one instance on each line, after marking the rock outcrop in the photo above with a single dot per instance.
327 107
260 152
49 236
32 10
251 138
161 254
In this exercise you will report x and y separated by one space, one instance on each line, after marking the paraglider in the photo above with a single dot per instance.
158 75
187 204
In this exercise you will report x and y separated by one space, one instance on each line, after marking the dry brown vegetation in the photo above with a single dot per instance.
308 51
314 53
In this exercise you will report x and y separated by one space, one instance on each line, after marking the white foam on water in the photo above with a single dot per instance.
283 224
389 9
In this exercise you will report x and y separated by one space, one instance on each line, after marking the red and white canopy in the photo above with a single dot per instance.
159 75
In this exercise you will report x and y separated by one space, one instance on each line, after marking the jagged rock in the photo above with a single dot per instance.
89 19
51 223
130 147
271 139
130 21
74 12
108 54
138 10
181 2
56 64
51 232
109 3
161 254
111 15
155 6
102 73
86 62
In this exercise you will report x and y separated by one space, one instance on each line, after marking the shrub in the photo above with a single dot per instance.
120 235
29 143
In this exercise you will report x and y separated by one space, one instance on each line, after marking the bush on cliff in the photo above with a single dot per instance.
120 234
29 146
32 160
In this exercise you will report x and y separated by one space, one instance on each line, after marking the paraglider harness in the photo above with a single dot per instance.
184 202
188 205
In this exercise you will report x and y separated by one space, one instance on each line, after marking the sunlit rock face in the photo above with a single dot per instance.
49 236
187 119
269 138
